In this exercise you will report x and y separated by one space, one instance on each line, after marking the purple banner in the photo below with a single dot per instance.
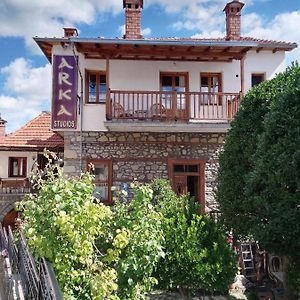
64 97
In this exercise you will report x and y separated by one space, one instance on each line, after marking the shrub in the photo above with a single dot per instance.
197 254
62 222
140 257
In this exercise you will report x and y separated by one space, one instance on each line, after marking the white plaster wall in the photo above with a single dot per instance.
144 75
4 155
263 62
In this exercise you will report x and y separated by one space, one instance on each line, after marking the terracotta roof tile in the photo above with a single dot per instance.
223 39
36 134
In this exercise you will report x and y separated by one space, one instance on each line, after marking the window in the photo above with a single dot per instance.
95 87
102 170
17 166
211 85
257 79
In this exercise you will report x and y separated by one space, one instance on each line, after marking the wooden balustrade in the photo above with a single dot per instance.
14 186
176 106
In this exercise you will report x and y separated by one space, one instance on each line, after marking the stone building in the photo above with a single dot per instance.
153 107
18 152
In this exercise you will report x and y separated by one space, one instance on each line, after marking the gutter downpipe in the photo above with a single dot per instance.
80 107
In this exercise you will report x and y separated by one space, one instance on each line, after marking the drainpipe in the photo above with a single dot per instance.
80 107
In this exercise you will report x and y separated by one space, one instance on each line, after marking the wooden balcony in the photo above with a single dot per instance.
171 106
15 186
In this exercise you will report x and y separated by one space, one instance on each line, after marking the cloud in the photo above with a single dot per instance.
25 19
146 31
27 92
281 28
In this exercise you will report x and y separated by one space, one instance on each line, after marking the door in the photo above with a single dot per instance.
187 177
211 85
175 86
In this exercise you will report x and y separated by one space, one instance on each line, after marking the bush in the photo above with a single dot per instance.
140 257
197 254
62 223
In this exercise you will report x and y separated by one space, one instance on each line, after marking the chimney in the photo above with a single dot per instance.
2 127
70 32
233 19
133 18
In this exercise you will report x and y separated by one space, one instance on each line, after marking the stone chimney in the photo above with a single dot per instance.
70 32
133 10
233 19
2 127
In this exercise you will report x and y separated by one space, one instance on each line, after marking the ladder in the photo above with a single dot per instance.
247 260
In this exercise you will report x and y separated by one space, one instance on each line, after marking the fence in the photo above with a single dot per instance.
37 278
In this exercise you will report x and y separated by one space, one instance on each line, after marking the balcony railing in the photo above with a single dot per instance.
15 186
171 106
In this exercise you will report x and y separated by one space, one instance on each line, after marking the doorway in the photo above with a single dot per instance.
187 177
174 87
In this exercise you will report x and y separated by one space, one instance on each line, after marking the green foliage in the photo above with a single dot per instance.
238 160
62 223
139 258
259 178
197 254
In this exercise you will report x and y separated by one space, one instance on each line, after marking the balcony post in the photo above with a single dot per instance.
108 102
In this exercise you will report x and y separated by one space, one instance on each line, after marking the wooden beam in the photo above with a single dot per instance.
245 50
259 49
227 49
177 53
275 50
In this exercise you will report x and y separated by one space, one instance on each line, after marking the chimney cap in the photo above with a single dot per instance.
234 3
139 2
2 121
70 32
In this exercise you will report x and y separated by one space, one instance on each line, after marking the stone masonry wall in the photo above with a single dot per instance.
7 203
144 156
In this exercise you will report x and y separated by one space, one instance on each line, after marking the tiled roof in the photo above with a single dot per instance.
36 134
241 39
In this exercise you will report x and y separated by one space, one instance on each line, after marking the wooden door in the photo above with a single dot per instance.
175 86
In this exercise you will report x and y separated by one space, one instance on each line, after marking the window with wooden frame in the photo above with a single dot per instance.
17 166
95 87
211 87
257 78
102 170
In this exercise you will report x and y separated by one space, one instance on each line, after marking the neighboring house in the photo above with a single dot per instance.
142 108
18 152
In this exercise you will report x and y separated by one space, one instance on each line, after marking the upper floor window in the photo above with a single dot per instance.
102 170
17 166
95 87
257 79
211 86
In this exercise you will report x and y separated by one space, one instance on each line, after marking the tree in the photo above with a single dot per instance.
259 176
237 161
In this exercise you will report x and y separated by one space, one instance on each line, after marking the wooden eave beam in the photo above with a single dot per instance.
259 49
227 49
245 50
190 48
275 50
